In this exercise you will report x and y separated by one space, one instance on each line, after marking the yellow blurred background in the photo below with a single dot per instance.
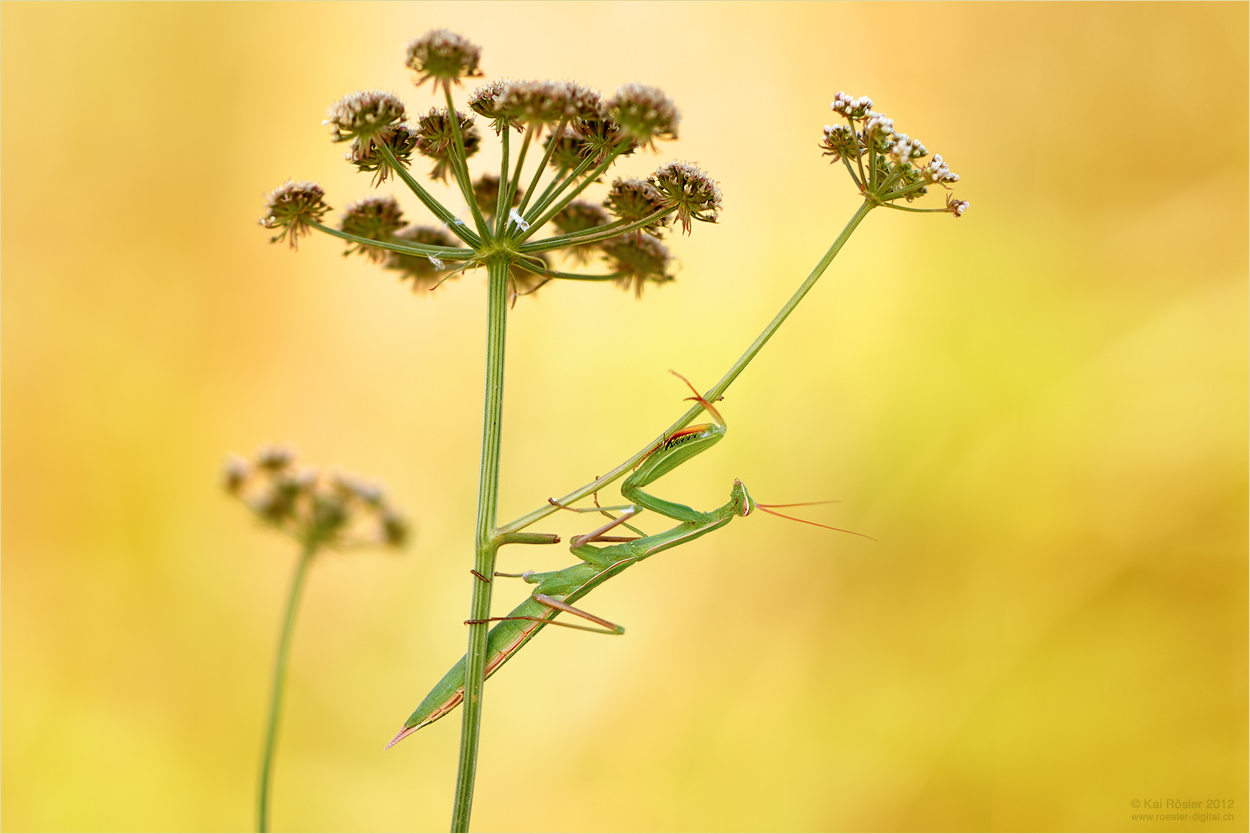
1039 412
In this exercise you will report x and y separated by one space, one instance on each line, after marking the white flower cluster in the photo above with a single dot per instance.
839 135
894 170
937 171
878 125
956 207
853 108
906 149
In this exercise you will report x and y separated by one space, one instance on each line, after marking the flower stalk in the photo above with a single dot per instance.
486 541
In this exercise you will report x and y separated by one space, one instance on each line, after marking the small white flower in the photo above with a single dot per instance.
938 172
878 123
956 207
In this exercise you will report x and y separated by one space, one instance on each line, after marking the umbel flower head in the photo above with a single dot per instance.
644 113
368 159
425 271
316 509
373 218
571 137
542 103
365 116
884 163
638 260
691 192
581 216
443 56
631 199
436 139
486 194
291 208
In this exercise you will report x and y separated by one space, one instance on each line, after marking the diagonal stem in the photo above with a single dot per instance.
716 391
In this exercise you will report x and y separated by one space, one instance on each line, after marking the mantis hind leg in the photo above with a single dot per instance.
558 606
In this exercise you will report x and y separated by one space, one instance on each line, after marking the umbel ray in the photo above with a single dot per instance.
558 590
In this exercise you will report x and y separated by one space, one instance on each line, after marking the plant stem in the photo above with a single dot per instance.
717 390
460 164
279 676
437 208
486 544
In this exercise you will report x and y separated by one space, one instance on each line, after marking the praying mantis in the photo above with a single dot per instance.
558 590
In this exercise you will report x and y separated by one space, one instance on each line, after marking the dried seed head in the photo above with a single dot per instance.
693 193
644 114
634 199
602 137
368 159
482 102
486 194
639 259
580 216
425 272
375 218
568 149
541 103
365 115
444 56
291 208
436 140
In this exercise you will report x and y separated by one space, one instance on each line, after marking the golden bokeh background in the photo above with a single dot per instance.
1039 412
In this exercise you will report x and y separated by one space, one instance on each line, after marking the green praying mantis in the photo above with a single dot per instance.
558 590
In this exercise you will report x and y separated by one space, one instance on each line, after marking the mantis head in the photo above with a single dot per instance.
743 503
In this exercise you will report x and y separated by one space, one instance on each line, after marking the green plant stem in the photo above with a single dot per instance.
444 252
435 207
460 164
542 165
514 181
501 199
717 390
550 210
279 676
487 543
593 235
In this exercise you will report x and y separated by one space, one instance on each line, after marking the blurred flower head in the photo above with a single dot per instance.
317 510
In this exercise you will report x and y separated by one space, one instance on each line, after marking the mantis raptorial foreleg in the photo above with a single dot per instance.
557 590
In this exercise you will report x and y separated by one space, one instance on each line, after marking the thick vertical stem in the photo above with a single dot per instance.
279 677
486 544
